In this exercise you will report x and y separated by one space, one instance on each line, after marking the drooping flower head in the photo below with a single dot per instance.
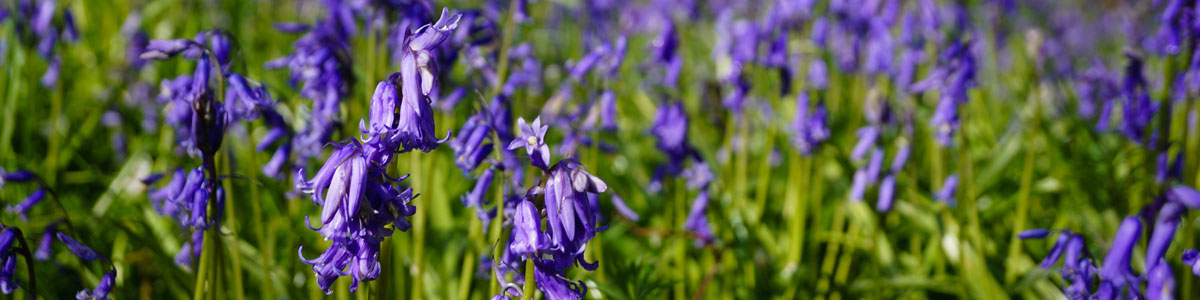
359 202
418 78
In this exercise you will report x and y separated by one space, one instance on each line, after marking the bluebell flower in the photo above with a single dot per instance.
887 189
528 237
321 64
809 130
279 130
418 77
102 289
1184 195
190 249
477 197
664 51
949 186
79 249
27 204
359 201
954 75
1036 233
571 222
1115 268
46 242
697 219
186 198
1191 257
671 127
1138 109
1164 231
1160 283
8 261
533 140
469 146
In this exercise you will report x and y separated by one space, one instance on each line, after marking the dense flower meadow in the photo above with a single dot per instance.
599 149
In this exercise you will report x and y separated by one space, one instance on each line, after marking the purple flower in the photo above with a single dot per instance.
17 176
671 128
469 146
1191 257
31 200
1164 231
102 289
359 201
1116 263
954 74
623 208
8 261
185 198
1184 195
886 189
46 242
477 198
572 223
533 139
1138 109
418 77
1160 283
1036 233
83 252
946 194
527 234
808 129
190 249
245 98
697 219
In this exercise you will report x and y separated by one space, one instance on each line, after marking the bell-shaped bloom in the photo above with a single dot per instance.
527 234
697 219
1184 195
45 244
1116 268
946 194
1035 233
477 197
887 189
533 139
1191 257
27 204
470 147
809 130
102 289
1164 231
83 252
1160 283
671 128
571 221
418 77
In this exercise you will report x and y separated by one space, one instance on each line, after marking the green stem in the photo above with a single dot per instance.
681 247
203 267
418 230
1010 273
235 255
527 291
469 257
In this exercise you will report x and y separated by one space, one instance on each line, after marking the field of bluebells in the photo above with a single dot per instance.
599 149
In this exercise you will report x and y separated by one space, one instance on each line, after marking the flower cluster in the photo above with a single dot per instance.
671 129
10 235
360 199
38 24
1115 277
321 64
567 194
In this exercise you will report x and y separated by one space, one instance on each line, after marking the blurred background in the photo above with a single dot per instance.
751 149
